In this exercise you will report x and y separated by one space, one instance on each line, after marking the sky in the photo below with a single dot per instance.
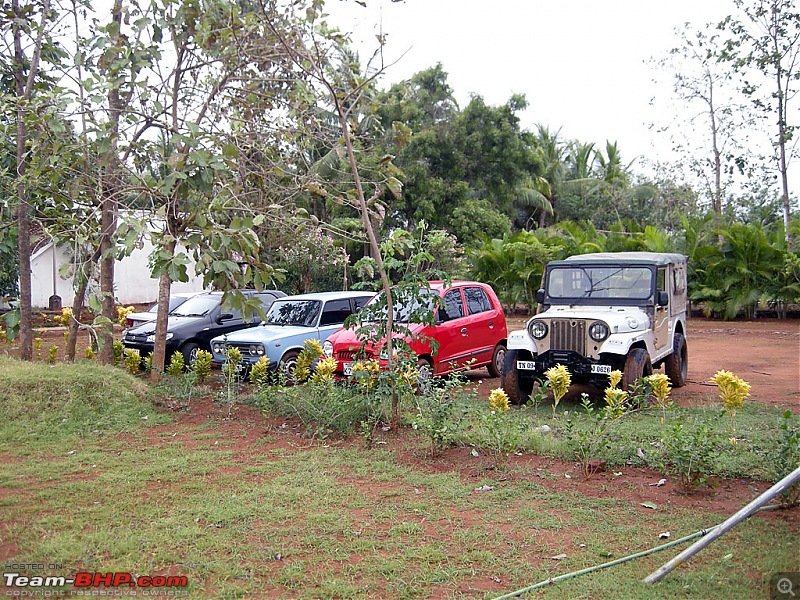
582 64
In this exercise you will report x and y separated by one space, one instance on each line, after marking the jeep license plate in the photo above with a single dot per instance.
526 365
348 369
601 369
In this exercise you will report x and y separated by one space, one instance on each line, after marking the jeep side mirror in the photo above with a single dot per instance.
224 317
663 298
540 296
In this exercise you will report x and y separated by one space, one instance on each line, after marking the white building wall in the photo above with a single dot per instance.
132 281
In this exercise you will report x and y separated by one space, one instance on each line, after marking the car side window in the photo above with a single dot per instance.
453 305
661 280
477 300
361 302
335 312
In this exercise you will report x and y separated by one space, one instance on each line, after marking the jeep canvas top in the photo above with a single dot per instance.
600 312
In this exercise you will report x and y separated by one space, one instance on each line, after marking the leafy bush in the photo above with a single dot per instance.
259 372
322 408
690 454
133 361
786 456
176 365
202 366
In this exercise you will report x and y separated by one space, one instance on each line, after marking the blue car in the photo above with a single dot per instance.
290 322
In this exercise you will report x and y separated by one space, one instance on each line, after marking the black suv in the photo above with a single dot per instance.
191 325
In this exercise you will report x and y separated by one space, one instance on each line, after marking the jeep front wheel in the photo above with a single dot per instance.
637 365
676 365
517 388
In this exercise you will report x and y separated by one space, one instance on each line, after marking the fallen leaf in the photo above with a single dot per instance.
485 488
639 453
650 505
663 536
659 483
559 557
606 554
474 453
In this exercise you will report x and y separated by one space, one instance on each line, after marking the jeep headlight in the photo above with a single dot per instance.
537 329
327 349
598 331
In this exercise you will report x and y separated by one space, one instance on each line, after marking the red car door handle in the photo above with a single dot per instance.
463 331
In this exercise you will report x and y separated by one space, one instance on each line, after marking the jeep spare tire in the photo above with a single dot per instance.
637 365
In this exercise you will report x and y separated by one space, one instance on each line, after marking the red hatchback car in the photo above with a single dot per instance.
470 326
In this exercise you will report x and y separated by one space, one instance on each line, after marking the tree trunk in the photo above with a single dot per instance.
23 209
108 210
160 344
77 304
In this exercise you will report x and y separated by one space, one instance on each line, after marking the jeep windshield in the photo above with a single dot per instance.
299 313
600 282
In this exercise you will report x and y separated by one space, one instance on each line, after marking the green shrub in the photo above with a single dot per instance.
259 372
176 365
323 408
119 351
133 361
202 366
690 454
786 456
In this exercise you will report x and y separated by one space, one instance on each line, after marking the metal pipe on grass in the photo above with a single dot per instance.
725 526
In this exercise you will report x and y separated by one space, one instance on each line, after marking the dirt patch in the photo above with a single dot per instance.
634 485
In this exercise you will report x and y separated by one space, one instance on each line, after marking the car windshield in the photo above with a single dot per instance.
615 282
301 313
197 306
414 306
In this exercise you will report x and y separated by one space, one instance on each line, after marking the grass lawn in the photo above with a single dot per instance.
95 477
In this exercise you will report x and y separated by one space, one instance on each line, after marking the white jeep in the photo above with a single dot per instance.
600 312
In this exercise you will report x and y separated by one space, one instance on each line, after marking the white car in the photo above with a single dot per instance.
601 312
138 318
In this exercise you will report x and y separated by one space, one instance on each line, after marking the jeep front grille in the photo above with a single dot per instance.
568 334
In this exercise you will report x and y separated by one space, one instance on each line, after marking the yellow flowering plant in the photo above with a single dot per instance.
498 400
733 391
659 385
559 379
614 378
615 402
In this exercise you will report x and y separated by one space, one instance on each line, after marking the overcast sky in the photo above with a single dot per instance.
580 63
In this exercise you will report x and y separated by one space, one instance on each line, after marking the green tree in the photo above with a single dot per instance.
27 34
764 48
